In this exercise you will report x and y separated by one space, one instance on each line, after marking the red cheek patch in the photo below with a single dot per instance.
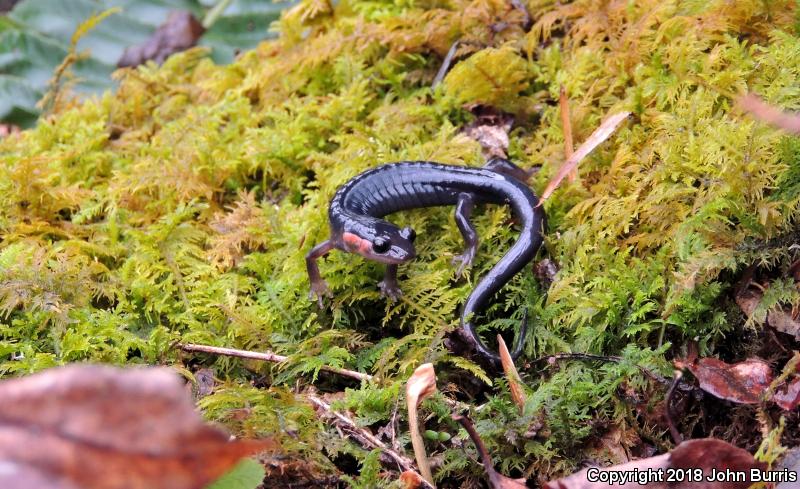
356 244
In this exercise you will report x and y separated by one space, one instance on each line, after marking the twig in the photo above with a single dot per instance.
364 437
789 122
266 356
566 127
603 132
448 60
497 480
673 430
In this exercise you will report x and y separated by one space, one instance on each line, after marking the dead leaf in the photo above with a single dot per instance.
749 299
490 129
790 461
744 382
770 114
709 455
206 382
788 395
514 381
97 427
180 32
603 132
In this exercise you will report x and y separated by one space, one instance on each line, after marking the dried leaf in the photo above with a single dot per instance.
493 139
749 299
770 114
607 127
96 427
788 396
514 382
744 382
180 32
709 455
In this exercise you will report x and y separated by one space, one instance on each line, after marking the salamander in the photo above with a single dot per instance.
356 226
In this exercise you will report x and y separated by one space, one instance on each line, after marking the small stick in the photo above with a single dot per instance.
448 60
364 437
266 356
673 429
566 127
496 479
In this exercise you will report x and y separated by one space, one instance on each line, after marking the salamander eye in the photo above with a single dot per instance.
381 245
408 233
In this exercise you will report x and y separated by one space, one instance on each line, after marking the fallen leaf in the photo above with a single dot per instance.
744 382
97 427
749 299
710 455
205 382
512 375
790 461
180 32
788 396
606 129
490 129
770 114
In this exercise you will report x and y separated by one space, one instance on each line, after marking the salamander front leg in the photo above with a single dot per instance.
466 203
389 286
319 287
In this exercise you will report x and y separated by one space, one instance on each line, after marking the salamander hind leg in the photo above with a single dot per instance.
505 167
466 202
389 286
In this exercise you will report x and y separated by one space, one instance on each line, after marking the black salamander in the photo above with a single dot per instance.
356 226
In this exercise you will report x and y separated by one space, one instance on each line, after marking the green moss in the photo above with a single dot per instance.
181 207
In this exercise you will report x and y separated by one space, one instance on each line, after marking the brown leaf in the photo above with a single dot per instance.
97 427
603 132
744 382
749 299
770 114
788 396
180 32
709 455
512 375
490 129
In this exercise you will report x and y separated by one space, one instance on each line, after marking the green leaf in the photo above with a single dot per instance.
247 474
36 34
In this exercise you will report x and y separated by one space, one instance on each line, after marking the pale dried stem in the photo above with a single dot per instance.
266 356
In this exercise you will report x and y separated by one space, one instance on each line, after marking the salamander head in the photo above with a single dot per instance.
381 242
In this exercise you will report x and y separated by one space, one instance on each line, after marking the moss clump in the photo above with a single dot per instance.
181 206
